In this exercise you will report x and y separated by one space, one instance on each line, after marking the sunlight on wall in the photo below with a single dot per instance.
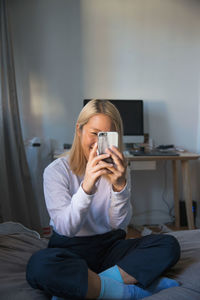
41 102
37 88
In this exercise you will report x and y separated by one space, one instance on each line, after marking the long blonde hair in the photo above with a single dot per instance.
77 159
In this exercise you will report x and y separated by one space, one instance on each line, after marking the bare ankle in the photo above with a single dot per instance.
128 279
94 285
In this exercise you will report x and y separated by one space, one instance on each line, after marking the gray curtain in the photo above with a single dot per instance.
17 201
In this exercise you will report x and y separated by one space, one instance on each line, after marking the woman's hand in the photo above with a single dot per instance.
94 170
117 172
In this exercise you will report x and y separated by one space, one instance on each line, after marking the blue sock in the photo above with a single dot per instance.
113 273
157 285
162 283
112 289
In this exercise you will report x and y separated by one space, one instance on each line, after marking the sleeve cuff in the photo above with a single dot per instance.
84 194
123 191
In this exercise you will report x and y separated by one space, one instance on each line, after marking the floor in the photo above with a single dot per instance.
135 232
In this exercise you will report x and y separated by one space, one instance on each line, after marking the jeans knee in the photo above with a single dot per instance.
35 269
173 248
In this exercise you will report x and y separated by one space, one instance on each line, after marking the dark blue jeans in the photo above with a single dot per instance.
62 268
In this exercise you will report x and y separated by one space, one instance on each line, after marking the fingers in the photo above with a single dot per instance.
103 165
116 151
93 152
97 158
95 168
100 158
117 157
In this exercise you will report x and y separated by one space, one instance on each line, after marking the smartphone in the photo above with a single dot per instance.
106 140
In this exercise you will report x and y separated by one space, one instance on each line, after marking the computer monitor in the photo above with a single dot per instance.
131 112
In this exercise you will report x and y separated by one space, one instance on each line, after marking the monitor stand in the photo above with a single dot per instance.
133 139
133 142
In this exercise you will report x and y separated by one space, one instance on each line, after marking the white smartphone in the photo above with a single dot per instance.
106 140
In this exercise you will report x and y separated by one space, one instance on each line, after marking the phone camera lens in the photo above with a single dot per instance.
102 134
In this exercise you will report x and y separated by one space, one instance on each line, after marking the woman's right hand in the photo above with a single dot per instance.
94 170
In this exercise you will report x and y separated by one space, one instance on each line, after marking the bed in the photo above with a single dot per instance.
17 243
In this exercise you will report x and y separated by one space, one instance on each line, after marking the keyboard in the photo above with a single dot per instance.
154 153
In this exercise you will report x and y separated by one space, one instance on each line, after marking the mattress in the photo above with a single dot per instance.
17 244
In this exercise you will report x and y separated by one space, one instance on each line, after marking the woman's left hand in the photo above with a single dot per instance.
117 174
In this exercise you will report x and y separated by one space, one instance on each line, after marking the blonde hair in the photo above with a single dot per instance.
77 159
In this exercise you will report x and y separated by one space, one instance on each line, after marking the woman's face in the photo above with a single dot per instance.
89 132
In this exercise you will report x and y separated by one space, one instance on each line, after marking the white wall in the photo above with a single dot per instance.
47 46
146 50
68 50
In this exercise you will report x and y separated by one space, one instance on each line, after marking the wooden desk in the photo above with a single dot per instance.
184 159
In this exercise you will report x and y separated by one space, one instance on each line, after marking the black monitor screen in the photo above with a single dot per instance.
131 112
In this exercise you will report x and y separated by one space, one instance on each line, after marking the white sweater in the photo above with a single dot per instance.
75 213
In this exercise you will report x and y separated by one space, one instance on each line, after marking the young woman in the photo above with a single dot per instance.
88 200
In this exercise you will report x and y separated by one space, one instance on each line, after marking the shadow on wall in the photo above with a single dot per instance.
39 155
47 50
152 195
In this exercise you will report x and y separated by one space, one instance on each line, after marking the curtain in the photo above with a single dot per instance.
17 202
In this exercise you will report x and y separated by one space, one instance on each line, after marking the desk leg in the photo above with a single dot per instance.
176 194
187 192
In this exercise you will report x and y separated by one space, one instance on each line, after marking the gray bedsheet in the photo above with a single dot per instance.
186 271
16 248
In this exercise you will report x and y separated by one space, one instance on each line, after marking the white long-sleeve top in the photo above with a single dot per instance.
75 213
